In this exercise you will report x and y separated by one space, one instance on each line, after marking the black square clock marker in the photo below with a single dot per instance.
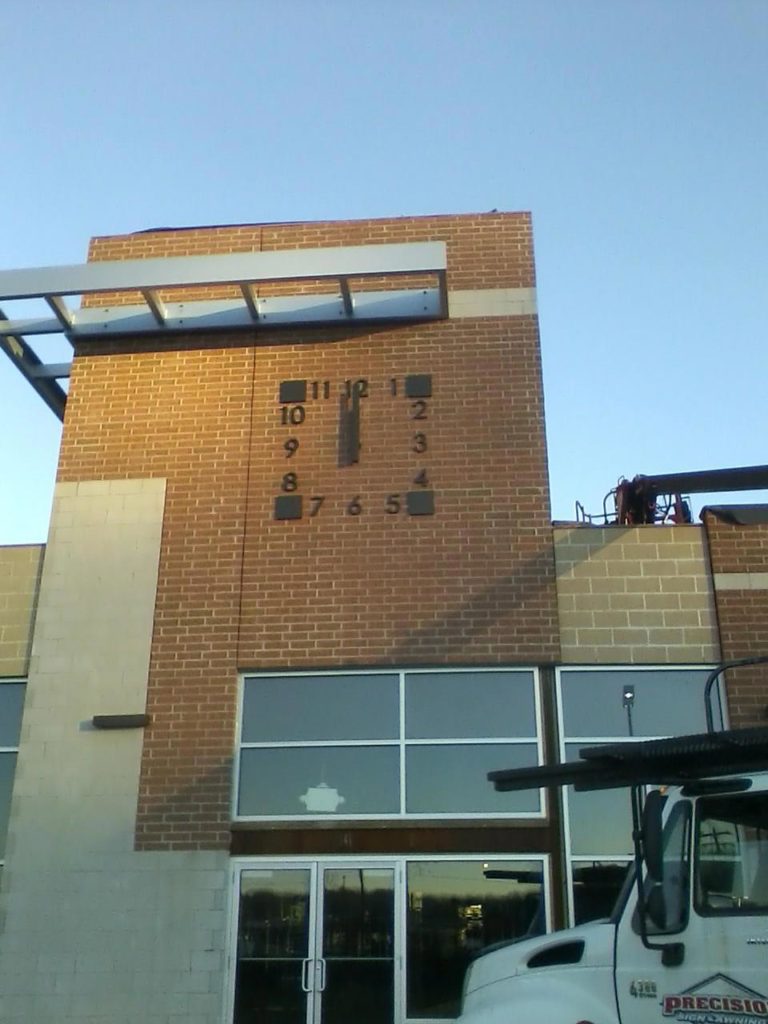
293 391
418 385
288 506
420 503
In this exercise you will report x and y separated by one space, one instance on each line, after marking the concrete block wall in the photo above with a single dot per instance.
20 568
635 595
93 931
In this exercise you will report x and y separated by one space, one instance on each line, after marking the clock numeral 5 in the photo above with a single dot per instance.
392 504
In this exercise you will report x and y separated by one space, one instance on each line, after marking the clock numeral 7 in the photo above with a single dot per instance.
317 500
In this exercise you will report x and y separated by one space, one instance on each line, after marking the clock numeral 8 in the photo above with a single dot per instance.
290 482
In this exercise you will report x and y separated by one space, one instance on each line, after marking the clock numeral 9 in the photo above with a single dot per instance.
290 482
293 415
419 443
291 447
354 508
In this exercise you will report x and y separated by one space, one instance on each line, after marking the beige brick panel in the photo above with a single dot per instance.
19 580
635 595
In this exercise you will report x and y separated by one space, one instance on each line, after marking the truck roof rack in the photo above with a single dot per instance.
675 761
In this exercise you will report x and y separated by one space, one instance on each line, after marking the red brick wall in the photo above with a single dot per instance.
471 584
742 614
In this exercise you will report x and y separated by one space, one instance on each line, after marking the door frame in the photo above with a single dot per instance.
398 864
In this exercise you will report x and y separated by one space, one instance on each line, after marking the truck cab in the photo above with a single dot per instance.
688 938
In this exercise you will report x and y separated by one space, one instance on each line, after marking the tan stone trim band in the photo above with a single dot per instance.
740 580
491 302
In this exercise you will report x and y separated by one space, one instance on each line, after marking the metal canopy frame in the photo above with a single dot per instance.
158 316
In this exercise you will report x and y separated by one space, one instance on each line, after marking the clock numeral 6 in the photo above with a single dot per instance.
290 482
354 508
392 504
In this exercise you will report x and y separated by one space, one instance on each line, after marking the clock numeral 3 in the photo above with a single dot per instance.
419 443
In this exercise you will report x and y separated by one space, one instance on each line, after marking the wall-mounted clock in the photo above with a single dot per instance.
298 402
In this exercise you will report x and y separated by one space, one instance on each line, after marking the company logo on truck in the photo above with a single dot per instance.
717 1000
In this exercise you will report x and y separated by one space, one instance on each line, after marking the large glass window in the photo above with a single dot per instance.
456 909
609 705
384 744
11 704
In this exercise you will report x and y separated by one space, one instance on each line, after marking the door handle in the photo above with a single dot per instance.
321 968
305 975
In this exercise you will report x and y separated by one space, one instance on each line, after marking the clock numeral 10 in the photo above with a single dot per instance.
292 415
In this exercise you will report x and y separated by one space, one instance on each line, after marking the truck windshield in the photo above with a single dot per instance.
732 855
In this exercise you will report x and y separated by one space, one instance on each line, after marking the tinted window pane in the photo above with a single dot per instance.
466 705
296 708
601 821
7 768
452 779
320 780
663 702
456 909
11 704
596 887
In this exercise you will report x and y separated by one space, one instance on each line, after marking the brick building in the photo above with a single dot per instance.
301 592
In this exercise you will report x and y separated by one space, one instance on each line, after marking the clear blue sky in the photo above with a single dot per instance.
636 131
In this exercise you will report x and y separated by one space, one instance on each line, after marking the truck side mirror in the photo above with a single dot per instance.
653 848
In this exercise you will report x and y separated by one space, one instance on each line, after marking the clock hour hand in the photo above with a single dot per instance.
349 428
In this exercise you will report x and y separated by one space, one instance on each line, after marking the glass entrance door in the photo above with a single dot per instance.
356 945
316 944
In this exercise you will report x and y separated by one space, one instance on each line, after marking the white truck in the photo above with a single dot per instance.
688 939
